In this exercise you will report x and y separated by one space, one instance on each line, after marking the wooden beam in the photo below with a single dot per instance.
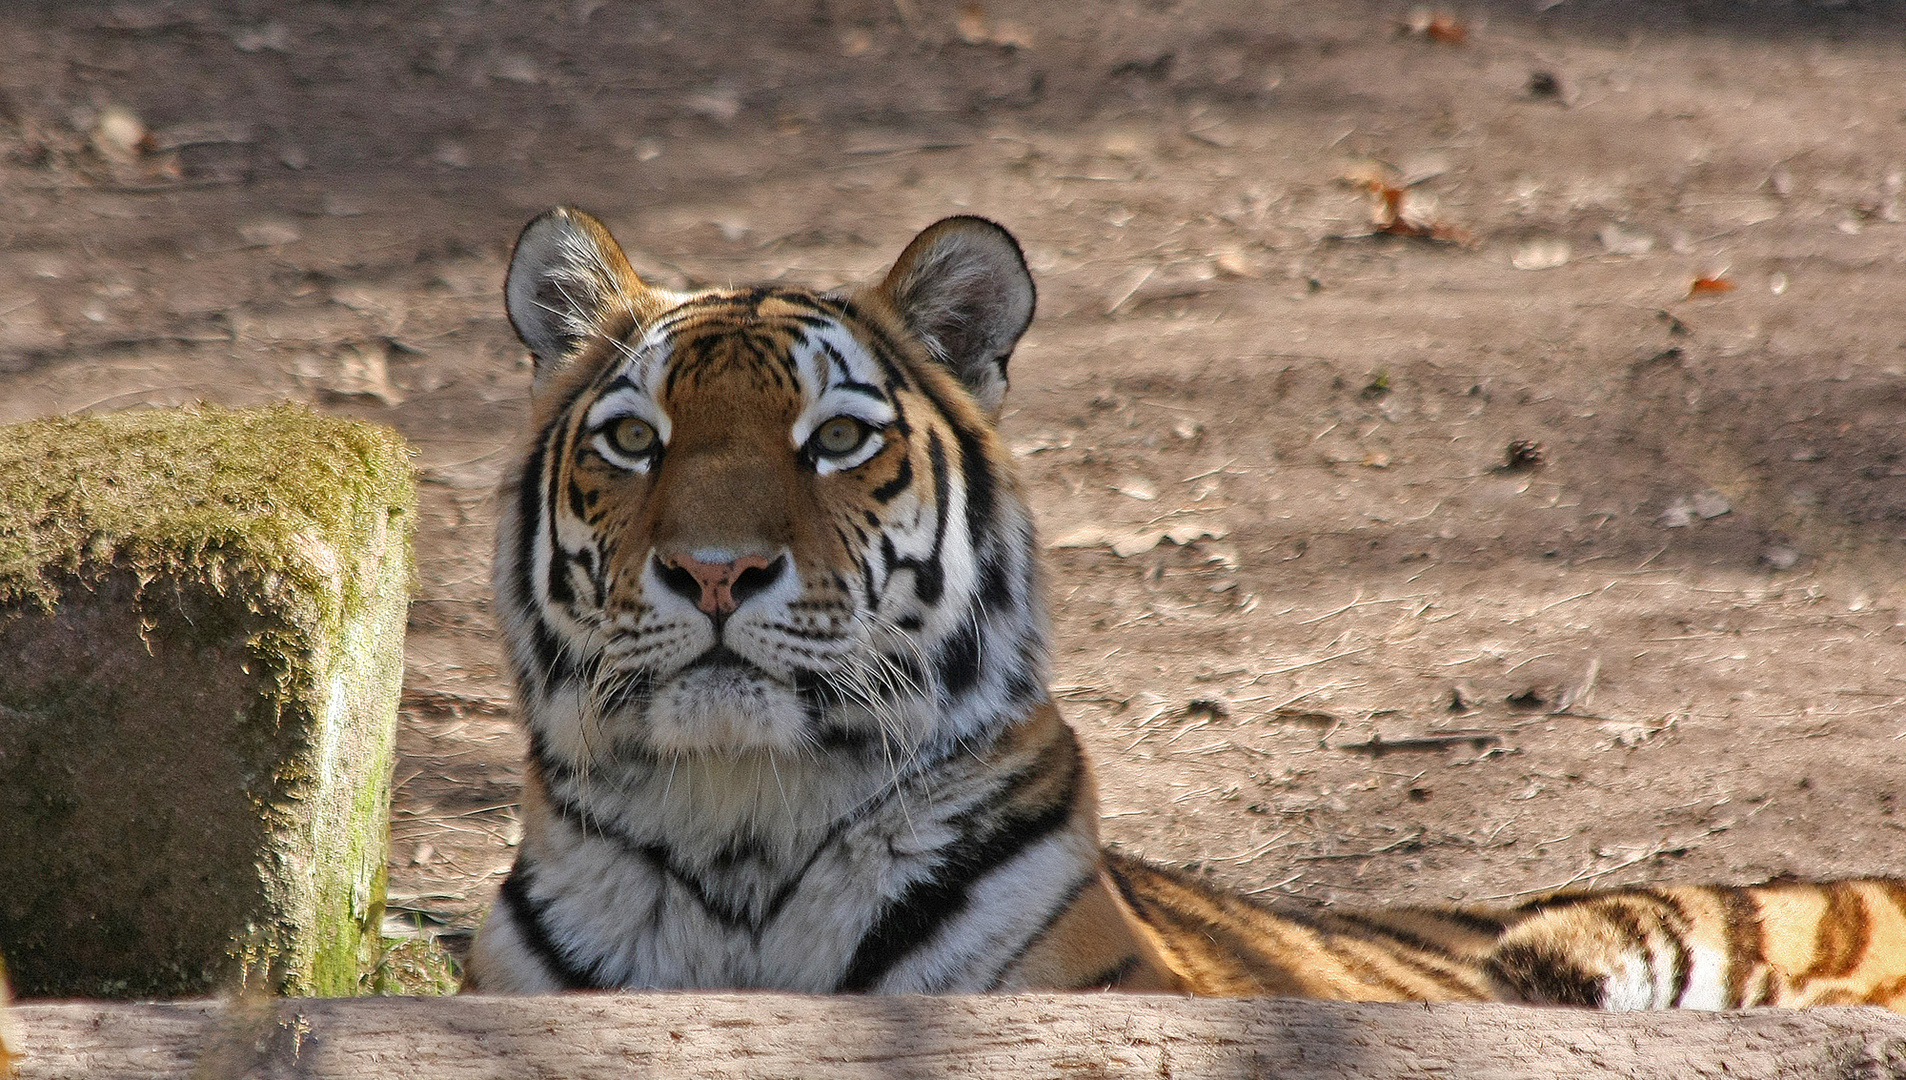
770 1036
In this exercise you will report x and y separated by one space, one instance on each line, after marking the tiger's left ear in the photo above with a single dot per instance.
963 289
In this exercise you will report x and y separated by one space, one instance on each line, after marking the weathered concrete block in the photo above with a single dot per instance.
201 646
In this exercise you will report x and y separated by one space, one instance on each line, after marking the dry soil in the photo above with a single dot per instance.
1469 443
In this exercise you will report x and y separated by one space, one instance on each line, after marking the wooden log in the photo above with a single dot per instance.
1100 1036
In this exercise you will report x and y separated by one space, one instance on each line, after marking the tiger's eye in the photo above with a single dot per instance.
841 435
633 437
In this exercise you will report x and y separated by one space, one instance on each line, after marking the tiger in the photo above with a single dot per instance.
768 583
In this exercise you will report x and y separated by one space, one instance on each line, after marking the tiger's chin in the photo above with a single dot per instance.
725 709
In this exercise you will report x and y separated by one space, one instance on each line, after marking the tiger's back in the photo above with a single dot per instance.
774 614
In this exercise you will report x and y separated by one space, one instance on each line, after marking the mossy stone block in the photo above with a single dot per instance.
201 646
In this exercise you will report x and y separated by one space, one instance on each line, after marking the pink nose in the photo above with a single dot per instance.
717 579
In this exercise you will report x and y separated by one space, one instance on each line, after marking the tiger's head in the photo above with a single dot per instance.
768 521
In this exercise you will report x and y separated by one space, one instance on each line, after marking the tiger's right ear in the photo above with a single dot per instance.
568 282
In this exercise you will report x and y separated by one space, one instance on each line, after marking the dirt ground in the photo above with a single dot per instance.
1471 445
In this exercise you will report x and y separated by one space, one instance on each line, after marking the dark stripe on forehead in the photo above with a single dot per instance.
839 363
844 377
714 350
620 382
884 349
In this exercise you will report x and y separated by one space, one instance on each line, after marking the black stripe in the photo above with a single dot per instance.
981 485
557 582
929 576
902 479
552 663
1746 946
527 916
958 663
1676 924
661 859
909 921
1561 902
627 690
838 365
1372 925
1052 918
620 382
995 585
942 495
871 595
543 765
1475 921
657 856
554 667
1629 926
885 349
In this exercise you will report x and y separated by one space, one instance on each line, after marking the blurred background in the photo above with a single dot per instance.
1469 440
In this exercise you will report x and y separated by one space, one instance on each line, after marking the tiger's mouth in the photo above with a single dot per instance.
718 656
724 703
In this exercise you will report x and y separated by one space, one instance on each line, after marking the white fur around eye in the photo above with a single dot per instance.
604 445
623 404
835 403
827 466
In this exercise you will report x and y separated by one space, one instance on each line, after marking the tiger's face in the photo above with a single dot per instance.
768 521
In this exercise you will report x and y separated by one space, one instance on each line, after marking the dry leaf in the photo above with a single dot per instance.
1009 34
971 24
1439 26
363 373
1540 254
1126 543
269 233
1620 241
1395 210
120 136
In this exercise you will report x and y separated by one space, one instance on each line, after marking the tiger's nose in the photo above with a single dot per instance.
717 588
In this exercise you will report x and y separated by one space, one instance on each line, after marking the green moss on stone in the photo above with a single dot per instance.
204 611
175 490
